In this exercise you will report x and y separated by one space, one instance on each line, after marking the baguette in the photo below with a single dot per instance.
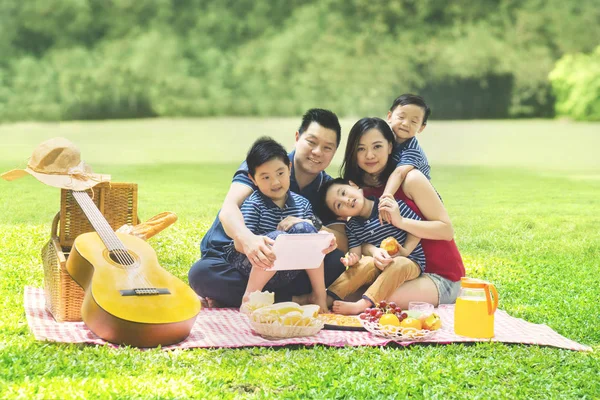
154 225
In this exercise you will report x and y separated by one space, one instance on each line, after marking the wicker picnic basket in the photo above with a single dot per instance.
118 204
279 331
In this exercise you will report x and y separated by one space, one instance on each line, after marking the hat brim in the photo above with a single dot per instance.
13 174
59 181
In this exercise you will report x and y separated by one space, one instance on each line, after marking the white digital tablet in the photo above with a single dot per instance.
300 251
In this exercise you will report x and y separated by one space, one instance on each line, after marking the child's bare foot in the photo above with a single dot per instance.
246 298
350 308
245 301
320 300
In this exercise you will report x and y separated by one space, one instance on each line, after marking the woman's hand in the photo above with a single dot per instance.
350 259
384 216
381 258
288 222
258 250
332 244
389 206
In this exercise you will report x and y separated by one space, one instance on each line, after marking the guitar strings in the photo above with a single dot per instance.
112 242
100 225
119 251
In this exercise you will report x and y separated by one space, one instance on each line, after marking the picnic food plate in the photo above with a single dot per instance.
341 322
397 333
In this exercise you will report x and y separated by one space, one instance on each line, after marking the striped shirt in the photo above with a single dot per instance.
310 191
214 241
262 215
411 153
361 231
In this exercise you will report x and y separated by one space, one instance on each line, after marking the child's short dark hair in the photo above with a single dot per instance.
407 98
325 118
323 211
263 150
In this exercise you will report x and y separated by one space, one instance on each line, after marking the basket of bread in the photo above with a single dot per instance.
281 320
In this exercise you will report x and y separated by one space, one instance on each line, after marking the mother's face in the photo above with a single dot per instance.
373 151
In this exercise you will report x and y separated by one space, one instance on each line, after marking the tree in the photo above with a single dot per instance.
576 85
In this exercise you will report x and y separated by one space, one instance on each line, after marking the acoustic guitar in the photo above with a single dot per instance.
129 298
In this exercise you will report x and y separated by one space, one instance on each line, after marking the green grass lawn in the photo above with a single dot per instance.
524 197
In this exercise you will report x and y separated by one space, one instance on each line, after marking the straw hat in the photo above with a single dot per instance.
57 162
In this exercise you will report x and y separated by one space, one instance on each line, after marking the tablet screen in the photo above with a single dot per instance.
300 251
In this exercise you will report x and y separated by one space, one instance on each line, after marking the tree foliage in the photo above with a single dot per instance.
79 59
576 85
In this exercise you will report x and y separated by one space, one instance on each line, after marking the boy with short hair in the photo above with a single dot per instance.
269 169
407 117
344 199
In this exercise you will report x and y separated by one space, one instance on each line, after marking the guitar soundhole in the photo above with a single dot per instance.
121 257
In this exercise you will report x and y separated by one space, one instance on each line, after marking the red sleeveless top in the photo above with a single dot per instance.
441 256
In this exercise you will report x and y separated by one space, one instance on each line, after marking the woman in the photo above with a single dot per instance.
367 162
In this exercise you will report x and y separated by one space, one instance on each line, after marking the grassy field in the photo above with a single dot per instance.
524 200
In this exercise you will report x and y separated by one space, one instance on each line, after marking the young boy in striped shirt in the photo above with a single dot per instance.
269 169
407 117
364 231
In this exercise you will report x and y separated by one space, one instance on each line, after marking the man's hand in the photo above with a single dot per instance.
332 244
288 222
381 258
389 206
258 250
350 259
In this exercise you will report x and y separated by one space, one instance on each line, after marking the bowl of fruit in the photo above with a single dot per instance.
390 321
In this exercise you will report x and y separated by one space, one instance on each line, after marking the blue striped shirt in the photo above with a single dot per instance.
310 191
214 241
411 153
361 231
262 215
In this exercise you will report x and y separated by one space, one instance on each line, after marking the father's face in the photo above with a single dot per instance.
315 149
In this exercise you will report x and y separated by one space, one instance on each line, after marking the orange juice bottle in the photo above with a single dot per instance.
475 307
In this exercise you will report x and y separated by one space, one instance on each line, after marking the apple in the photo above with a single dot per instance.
391 245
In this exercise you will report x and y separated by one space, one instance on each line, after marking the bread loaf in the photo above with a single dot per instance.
154 225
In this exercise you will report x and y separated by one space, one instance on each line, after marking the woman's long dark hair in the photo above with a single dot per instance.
350 169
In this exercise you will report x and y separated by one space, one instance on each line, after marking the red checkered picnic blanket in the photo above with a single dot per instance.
226 327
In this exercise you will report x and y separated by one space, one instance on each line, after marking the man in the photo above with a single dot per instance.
212 277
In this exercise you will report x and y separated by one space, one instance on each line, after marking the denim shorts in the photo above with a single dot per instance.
447 289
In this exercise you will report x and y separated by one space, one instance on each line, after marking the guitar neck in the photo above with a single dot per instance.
101 226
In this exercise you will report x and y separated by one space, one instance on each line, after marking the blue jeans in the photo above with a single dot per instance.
281 278
213 276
